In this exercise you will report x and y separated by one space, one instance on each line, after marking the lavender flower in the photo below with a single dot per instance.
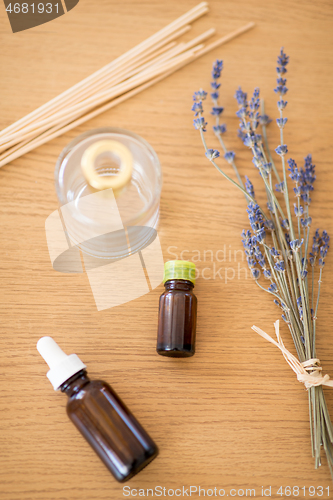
285 224
282 104
255 273
280 266
279 187
217 68
282 61
315 247
211 154
255 217
295 174
304 178
304 263
217 110
264 120
308 179
251 141
325 238
281 122
220 129
281 70
282 149
197 108
269 224
242 113
249 243
261 235
295 245
241 98
200 95
229 156
281 89
241 134
254 106
249 186
216 73
199 123
299 211
323 249
306 222
300 308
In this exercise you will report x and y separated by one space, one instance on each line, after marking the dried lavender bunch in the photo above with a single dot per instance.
277 247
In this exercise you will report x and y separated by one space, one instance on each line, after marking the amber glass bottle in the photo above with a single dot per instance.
177 311
99 414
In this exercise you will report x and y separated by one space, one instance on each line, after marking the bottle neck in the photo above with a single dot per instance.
179 285
75 383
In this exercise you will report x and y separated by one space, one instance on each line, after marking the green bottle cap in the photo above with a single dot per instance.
179 270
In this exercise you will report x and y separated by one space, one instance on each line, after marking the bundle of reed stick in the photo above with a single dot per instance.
139 68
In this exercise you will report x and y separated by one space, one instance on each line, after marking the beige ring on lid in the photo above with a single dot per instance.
100 182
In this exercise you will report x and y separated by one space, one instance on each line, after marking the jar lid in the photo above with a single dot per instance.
179 270
89 159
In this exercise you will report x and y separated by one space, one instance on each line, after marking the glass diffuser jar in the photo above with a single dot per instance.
137 202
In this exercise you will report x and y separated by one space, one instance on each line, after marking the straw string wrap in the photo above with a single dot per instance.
308 372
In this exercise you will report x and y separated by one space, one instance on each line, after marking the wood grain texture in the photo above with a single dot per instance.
234 415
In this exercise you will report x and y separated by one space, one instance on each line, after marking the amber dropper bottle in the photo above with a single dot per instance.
177 317
99 414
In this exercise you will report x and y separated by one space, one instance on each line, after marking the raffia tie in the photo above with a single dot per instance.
308 372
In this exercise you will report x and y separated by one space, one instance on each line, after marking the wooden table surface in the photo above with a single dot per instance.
234 415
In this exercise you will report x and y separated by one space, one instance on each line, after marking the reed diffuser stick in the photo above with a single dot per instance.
118 77
149 62
150 43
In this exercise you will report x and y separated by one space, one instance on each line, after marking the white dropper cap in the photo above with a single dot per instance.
62 367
